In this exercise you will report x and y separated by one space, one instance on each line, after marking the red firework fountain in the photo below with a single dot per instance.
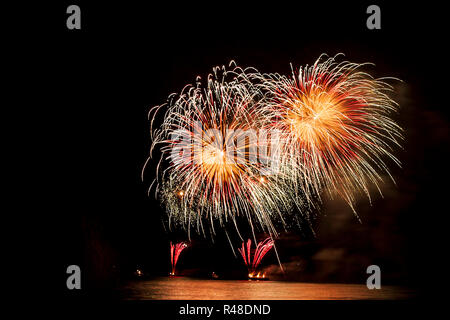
261 250
175 251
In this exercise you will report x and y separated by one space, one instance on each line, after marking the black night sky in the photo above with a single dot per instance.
103 79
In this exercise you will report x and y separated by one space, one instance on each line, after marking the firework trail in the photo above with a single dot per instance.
336 127
175 251
216 163
261 250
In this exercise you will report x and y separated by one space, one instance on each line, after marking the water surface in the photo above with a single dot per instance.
200 289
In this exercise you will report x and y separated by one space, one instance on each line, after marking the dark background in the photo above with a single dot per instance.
98 84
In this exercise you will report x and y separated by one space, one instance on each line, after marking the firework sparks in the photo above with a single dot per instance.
175 251
335 124
259 145
219 165
261 250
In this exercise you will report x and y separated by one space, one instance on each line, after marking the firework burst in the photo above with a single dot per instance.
336 127
262 248
216 164
175 251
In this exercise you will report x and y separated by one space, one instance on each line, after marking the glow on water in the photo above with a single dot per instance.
197 289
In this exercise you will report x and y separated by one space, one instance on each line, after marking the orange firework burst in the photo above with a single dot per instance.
336 126
218 164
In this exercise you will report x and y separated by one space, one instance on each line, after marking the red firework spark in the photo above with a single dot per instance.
261 250
175 251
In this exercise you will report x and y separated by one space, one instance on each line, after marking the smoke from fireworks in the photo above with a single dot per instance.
262 248
175 251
